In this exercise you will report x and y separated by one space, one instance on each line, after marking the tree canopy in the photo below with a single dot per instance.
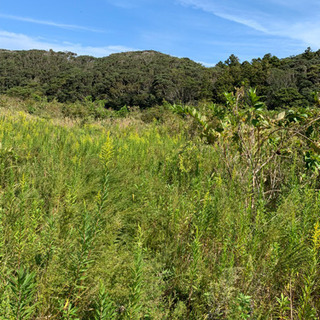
147 78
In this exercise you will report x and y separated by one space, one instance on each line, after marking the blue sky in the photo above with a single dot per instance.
207 31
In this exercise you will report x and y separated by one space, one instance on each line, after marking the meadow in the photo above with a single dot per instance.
171 213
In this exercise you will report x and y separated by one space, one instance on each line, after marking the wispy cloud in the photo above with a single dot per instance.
18 41
242 20
224 13
297 24
308 32
49 23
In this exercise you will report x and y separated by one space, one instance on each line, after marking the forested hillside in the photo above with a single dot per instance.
147 78
135 78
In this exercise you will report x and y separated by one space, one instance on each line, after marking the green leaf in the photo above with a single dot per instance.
281 115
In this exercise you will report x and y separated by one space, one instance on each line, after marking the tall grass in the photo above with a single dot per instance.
129 220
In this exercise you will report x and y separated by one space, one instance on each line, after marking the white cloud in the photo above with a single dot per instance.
49 23
295 24
18 41
207 64
224 13
245 21
308 33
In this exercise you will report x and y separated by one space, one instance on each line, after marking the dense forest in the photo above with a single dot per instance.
147 78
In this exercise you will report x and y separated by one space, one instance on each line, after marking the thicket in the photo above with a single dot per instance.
147 78
211 213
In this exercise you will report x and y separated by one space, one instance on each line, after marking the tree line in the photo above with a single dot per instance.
147 78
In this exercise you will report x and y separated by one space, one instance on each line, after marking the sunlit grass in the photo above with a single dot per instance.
126 220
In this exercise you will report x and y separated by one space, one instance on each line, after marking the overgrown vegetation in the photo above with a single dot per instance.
201 213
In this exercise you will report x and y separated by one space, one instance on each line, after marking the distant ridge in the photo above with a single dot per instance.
147 78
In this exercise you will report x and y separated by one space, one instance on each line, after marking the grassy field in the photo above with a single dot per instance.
122 218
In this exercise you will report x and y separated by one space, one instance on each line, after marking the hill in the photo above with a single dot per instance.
141 78
146 78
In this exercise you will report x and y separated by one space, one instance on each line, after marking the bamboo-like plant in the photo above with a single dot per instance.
104 308
69 311
22 302
136 286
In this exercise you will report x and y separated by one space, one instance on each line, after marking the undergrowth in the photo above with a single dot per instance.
124 219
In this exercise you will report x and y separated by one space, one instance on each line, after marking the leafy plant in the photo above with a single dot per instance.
136 285
104 307
244 306
69 312
284 306
23 286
